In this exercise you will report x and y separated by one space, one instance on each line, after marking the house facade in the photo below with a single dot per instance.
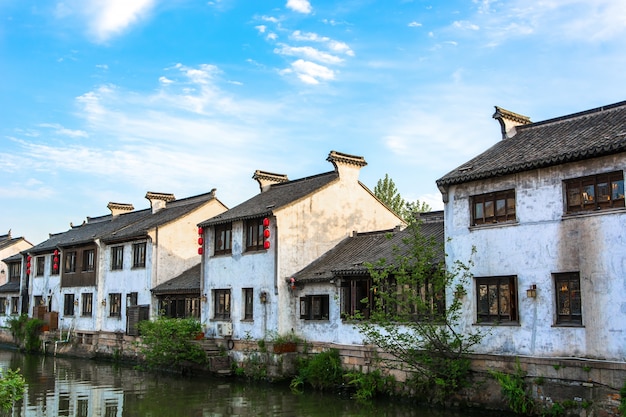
251 251
544 210
10 246
97 277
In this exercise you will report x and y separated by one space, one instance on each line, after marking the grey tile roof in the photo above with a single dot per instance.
278 195
589 134
11 286
186 283
351 255
13 258
124 227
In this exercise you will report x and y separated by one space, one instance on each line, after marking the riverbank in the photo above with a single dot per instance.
568 386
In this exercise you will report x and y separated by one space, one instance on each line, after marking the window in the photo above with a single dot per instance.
254 234
496 299
180 306
355 298
131 299
87 304
117 257
493 207
248 303
70 262
38 300
89 260
3 306
595 192
15 305
221 304
68 305
41 263
568 300
314 307
15 270
115 305
223 238
139 255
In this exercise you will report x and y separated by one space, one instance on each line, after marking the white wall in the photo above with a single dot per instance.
544 242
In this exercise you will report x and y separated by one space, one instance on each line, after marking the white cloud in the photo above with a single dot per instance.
415 24
308 52
106 18
60 130
310 72
333 45
463 24
165 80
261 28
300 6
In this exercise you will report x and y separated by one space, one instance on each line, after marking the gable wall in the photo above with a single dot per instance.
544 242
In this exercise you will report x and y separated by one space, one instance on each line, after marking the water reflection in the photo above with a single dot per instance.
82 388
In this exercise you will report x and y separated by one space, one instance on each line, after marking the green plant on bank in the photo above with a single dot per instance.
253 367
622 402
514 390
321 371
369 385
168 343
290 337
412 314
555 411
12 386
26 332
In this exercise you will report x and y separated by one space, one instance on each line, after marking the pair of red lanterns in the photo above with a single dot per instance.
28 258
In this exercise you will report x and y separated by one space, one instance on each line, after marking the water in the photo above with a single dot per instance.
83 388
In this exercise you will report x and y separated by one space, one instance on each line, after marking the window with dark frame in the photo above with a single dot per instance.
3 306
595 192
568 298
70 262
131 299
496 299
139 255
248 303
497 207
15 271
15 305
254 234
117 257
87 304
41 265
68 305
223 239
221 304
314 307
115 305
89 260
356 297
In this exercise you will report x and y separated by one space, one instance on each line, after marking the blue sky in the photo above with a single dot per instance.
104 100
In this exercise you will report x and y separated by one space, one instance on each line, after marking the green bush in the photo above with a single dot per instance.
514 390
622 404
369 385
168 343
26 332
11 388
322 371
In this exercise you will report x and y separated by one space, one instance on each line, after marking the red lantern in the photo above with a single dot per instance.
200 251
56 252
200 241
266 244
200 230
55 266
28 258
56 259
28 264
266 233
28 272
266 222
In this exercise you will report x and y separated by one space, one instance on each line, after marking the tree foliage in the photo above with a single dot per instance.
11 388
388 193
168 343
26 332
415 313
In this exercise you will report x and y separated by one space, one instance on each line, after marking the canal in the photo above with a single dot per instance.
84 388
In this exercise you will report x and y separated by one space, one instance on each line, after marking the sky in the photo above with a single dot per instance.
105 100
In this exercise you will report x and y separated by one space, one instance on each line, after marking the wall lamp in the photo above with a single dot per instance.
531 292
104 301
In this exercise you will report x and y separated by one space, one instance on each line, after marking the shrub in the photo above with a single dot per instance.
322 371
168 343
11 388
514 390
26 332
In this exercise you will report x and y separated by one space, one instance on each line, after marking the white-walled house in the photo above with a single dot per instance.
341 280
94 274
10 246
544 208
251 250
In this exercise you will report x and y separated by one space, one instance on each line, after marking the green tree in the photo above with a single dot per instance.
388 193
168 343
11 388
415 311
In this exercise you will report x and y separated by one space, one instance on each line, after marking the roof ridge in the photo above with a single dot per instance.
574 115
